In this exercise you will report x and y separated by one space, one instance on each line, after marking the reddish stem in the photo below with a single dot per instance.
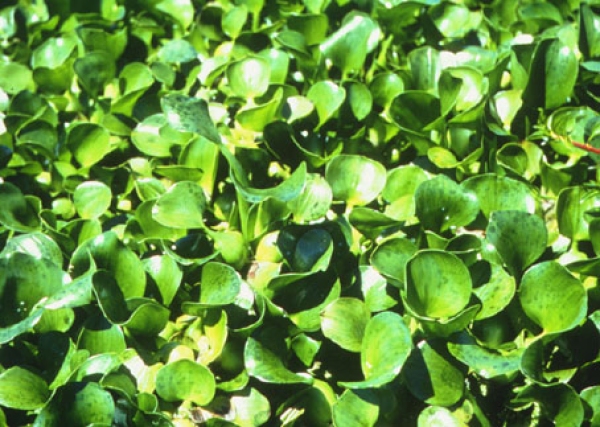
586 147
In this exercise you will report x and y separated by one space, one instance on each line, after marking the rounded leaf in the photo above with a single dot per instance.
22 389
552 297
185 380
437 285
88 142
92 199
441 204
314 201
249 77
356 180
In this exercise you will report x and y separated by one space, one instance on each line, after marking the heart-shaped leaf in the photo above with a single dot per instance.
519 237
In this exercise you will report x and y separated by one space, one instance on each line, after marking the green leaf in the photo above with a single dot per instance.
555 61
16 211
265 365
88 142
94 71
188 114
496 193
182 206
390 257
496 292
415 110
22 389
400 187
344 322
109 253
356 180
155 137
360 99
431 377
571 206
92 199
177 51
78 403
438 416
314 201
285 191
99 336
249 77
166 274
185 380
591 397
552 297
356 408
442 204
437 284
347 48
327 98
219 284
385 347
519 237
559 403
251 408
484 362
15 77
385 87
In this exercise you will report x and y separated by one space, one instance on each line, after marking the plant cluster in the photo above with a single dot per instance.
303 213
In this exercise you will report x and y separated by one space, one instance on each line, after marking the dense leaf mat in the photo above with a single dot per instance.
299 213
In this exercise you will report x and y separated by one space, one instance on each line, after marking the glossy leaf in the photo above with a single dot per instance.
437 284
348 47
440 204
22 389
519 237
552 297
356 407
185 380
327 97
262 363
249 77
190 115
92 199
385 347
182 206
497 193
355 180
344 322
